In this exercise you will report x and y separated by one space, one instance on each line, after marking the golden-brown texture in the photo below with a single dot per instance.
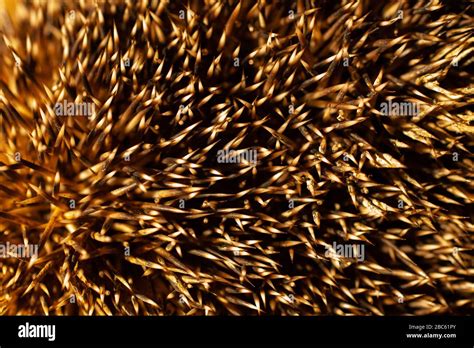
134 213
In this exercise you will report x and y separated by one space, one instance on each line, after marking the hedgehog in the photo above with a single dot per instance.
236 157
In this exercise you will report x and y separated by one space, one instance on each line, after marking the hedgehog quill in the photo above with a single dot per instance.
237 157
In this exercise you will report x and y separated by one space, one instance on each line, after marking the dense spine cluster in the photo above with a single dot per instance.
346 128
